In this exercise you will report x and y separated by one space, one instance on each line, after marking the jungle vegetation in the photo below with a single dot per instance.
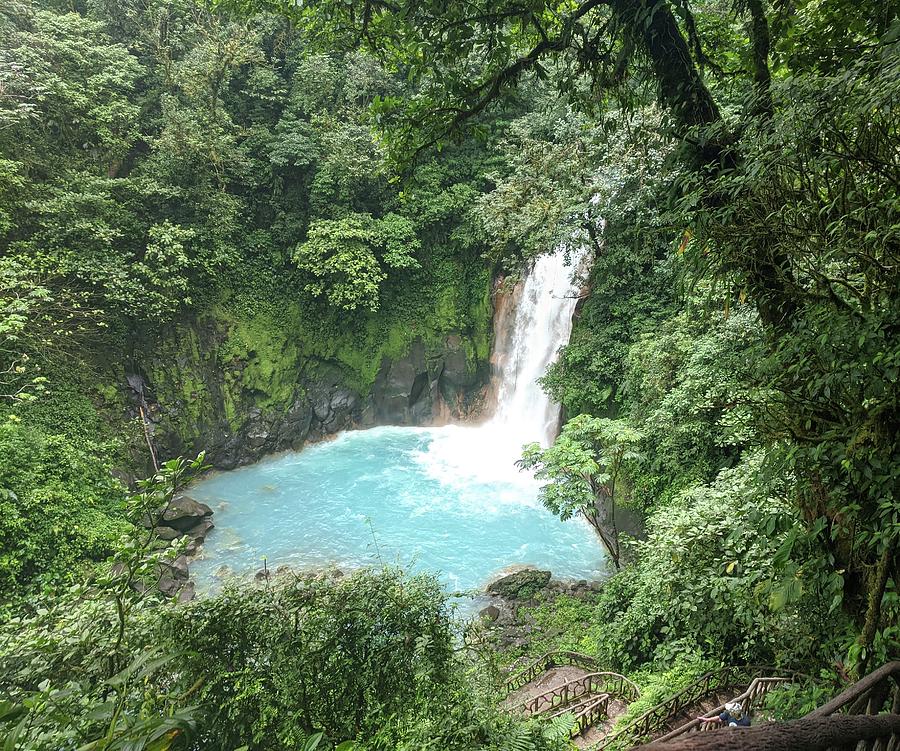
734 167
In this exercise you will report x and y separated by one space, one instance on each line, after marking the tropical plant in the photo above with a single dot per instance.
584 467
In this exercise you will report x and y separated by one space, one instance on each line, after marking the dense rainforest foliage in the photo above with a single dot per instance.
189 197
285 194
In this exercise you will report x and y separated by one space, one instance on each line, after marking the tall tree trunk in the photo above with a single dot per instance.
654 28
877 586
759 36
652 25
610 542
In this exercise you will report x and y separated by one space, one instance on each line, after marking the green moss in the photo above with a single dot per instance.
263 339
266 357
256 346
482 315
446 312
108 392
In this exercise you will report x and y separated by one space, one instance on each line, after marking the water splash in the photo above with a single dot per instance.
523 413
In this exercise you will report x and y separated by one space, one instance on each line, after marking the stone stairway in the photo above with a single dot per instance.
868 713
568 683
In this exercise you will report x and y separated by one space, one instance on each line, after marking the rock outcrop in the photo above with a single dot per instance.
237 416
184 514
413 389
173 577
507 618
521 585
187 518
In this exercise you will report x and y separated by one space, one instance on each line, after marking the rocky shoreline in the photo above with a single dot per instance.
189 522
506 620
508 597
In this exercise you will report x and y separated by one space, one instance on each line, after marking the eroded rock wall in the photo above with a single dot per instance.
240 390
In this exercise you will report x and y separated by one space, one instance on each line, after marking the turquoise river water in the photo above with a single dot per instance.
392 495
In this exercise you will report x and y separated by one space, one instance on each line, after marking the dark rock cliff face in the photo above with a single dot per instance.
238 407
426 386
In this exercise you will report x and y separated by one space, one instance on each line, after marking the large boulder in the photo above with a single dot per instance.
490 613
192 548
179 567
184 513
166 533
169 585
172 576
201 529
187 592
521 585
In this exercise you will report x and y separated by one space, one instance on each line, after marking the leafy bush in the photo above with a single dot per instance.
312 654
59 507
369 658
349 259
710 583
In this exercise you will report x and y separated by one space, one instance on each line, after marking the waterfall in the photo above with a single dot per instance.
448 498
541 325
526 342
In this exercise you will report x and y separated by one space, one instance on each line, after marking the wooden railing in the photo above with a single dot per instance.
591 715
563 695
749 700
865 717
545 662
869 695
878 692
840 732
657 717
602 686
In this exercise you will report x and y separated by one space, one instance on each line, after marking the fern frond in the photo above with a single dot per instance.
519 738
559 727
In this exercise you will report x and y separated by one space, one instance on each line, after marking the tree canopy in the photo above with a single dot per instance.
209 211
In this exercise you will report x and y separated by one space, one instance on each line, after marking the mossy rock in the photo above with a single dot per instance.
522 585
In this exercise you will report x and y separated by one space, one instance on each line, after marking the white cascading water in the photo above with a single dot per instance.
543 323
523 412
